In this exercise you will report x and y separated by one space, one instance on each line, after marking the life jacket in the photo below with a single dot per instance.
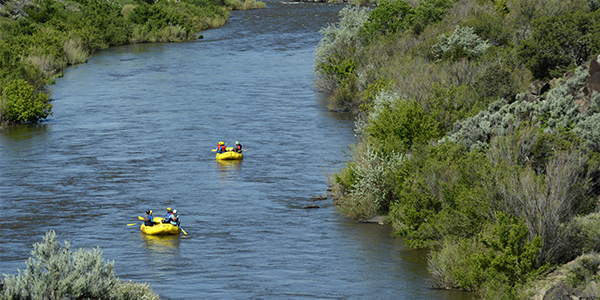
149 221
223 148
173 222
238 147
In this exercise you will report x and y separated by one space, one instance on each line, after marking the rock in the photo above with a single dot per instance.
312 206
561 291
591 291
374 219
319 197
529 97
539 87
592 82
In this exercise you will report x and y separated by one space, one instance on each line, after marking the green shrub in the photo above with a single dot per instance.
56 272
560 43
496 82
585 234
432 11
441 192
491 27
387 18
399 125
21 105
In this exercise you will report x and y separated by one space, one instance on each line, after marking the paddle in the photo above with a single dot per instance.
215 150
141 218
183 230
132 224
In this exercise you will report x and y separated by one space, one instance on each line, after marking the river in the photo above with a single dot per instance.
133 129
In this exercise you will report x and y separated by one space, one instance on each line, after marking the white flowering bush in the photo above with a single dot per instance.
372 189
462 43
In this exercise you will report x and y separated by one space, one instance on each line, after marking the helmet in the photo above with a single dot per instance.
175 211
168 209
148 212
221 143
236 142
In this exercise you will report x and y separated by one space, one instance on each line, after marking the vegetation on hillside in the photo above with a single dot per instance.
40 38
56 272
454 149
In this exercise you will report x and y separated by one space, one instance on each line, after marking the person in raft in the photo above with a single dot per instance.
175 218
169 214
221 147
148 219
238 147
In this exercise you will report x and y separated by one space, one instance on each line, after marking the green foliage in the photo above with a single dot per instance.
560 43
451 104
372 91
429 12
342 71
510 256
496 82
387 18
55 34
491 27
463 43
22 105
441 192
585 234
399 125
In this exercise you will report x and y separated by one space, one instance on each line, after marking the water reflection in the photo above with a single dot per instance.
164 244
25 132
228 170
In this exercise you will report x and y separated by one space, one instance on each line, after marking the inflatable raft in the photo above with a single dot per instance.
160 228
230 155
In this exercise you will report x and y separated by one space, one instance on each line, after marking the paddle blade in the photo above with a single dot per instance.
214 150
183 231
132 224
246 150
141 218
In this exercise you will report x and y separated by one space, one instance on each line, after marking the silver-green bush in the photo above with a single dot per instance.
56 272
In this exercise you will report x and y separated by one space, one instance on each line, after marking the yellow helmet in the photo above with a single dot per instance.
221 143
168 209
150 212
236 142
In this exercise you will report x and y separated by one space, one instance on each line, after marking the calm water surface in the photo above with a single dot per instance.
133 130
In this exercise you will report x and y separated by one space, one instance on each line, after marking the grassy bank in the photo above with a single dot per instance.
39 39
458 146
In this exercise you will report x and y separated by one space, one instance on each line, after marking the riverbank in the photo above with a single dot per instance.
41 39
466 127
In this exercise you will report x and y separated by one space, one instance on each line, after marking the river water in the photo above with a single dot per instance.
133 130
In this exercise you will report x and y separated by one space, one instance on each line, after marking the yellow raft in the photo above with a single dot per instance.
160 228
230 155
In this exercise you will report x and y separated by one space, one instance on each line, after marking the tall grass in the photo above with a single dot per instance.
244 4
75 52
